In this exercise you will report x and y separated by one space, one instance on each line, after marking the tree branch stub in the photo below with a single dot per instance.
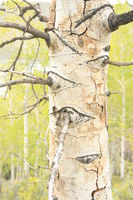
118 20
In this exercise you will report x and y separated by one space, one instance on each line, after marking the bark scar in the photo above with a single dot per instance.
87 158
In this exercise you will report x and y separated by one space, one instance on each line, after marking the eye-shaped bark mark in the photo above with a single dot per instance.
75 115
87 158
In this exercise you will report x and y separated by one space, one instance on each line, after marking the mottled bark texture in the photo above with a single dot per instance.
80 36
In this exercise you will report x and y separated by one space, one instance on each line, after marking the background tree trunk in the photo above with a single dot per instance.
77 51
26 141
123 126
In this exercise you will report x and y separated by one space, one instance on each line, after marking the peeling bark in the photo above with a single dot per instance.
77 54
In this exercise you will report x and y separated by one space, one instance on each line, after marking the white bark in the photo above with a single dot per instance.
123 127
113 157
36 159
76 61
37 144
26 141
12 156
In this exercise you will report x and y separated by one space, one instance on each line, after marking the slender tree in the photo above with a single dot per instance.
78 37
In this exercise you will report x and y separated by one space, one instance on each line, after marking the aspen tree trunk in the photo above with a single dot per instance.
123 128
26 142
12 156
77 51
113 160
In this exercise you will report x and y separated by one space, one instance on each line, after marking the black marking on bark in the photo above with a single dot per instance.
102 107
55 198
66 44
91 14
52 83
64 78
95 59
87 158
97 190
108 93
75 116
107 48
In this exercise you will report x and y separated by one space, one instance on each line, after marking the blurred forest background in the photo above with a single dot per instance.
24 116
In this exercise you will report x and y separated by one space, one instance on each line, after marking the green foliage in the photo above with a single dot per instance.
34 55
122 190
121 51
31 189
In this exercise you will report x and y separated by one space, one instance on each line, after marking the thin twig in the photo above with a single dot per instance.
32 107
41 17
27 163
18 73
16 39
16 59
56 159
37 53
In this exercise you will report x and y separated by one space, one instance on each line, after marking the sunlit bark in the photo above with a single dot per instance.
79 45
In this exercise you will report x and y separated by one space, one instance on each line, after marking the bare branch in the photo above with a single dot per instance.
36 33
17 58
8 11
37 53
18 73
118 20
118 64
56 159
16 39
32 107
27 163
41 17
48 81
